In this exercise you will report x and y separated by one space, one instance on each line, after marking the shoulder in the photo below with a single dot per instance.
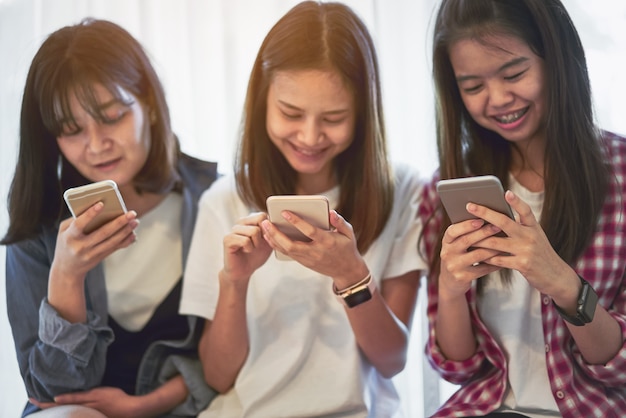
222 192
615 148
406 178
197 175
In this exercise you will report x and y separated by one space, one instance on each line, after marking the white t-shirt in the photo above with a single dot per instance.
133 293
303 358
512 313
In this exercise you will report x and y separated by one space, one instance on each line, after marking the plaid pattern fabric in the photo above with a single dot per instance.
580 389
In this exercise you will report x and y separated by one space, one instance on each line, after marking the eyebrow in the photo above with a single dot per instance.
101 107
509 64
330 112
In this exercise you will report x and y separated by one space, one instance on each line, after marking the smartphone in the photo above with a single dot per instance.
486 191
81 198
311 208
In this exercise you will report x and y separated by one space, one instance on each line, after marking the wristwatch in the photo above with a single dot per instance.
586 306
357 293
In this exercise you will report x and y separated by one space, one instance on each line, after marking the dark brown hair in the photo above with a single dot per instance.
576 178
321 36
72 61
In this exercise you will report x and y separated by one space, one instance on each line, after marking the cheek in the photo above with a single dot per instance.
277 128
474 106
70 151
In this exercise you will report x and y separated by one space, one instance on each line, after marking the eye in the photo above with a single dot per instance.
291 116
112 116
515 76
334 121
472 89
69 130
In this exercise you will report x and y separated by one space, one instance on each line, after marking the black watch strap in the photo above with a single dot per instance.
585 306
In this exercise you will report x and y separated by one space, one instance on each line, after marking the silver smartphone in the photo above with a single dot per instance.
81 198
311 208
486 191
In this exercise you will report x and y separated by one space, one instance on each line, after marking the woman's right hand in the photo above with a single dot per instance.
461 265
76 252
245 249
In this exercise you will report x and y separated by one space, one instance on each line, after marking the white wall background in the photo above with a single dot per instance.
203 50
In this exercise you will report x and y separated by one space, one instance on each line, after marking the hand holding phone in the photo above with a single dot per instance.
486 191
313 209
81 198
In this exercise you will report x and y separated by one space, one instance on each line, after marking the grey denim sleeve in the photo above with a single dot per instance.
54 356
200 394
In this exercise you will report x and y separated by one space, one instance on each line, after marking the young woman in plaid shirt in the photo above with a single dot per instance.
515 322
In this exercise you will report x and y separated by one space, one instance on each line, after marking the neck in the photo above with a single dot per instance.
140 203
527 164
315 184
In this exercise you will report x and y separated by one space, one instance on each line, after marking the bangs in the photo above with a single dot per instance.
56 102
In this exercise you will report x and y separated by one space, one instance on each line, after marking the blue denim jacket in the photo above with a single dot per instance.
57 357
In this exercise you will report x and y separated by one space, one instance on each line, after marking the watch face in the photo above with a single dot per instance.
587 303
357 298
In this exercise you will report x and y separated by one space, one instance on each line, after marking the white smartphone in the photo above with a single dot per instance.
81 198
311 208
486 191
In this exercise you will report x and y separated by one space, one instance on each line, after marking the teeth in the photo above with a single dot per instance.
307 151
511 117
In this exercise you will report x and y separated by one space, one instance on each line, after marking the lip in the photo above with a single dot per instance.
511 125
308 154
108 165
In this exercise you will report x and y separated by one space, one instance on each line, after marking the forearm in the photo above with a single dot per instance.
224 344
67 296
382 338
163 399
453 328
381 325
600 340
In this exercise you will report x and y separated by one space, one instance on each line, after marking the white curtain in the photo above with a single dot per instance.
203 51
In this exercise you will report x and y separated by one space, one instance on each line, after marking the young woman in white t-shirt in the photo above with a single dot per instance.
280 338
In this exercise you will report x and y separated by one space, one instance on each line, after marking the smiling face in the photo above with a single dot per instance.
502 84
310 119
113 146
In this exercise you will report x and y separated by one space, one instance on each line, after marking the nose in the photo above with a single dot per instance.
500 95
96 139
311 133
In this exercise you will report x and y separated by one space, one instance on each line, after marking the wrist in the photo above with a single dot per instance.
586 304
229 282
357 293
567 297
341 282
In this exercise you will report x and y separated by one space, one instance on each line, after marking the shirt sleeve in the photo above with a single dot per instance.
456 372
404 255
54 356
613 373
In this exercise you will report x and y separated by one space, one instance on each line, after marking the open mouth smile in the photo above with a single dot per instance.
511 117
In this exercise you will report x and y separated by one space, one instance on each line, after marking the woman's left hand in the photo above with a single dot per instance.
332 253
112 402
525 248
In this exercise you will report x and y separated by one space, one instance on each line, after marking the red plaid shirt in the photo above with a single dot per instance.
580 389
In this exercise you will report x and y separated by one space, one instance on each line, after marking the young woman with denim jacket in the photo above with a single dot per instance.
95 315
